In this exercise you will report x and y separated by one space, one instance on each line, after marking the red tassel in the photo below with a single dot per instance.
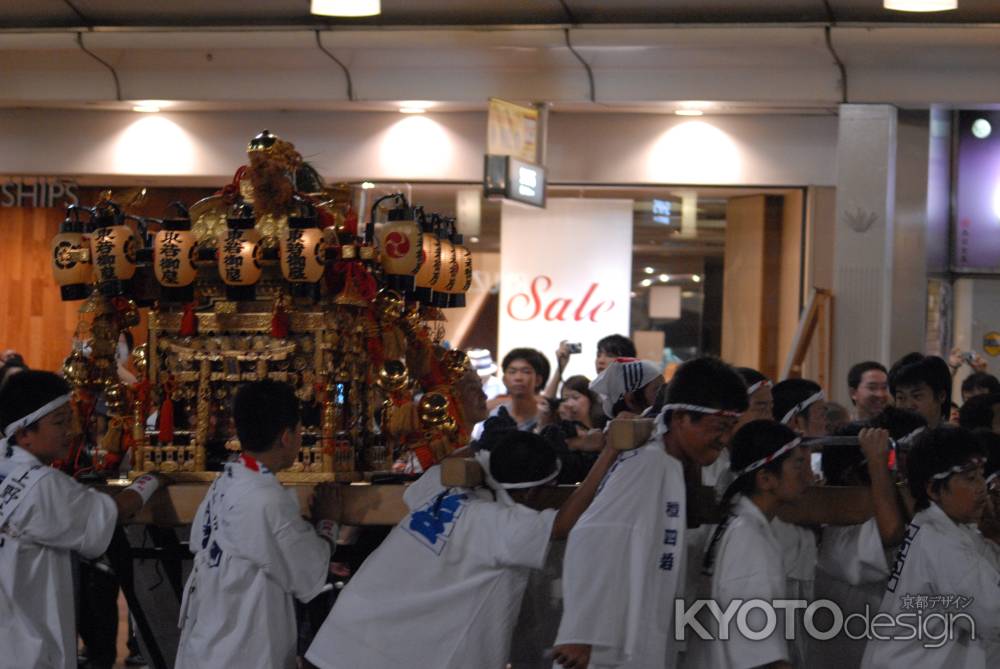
279 321
167 414
351 222
189 322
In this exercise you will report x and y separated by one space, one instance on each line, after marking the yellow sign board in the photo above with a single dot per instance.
512 130
991 343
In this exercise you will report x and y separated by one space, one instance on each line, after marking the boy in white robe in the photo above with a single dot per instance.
254 552
744 558
944 559
625 560
854 560
445 587
44 516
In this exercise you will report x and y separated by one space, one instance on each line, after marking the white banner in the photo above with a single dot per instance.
566 273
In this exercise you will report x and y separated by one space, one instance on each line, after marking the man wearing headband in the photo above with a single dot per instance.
801 405
44 515
625 558
760 407
444 588
942 554
627 385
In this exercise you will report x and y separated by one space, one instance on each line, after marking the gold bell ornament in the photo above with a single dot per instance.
113 248
239 257
398 414
389 307
174 257
303 253
71 261
75 369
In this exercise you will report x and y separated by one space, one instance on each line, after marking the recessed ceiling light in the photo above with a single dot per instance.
473 240
646 283
412 110
920 5
146 109
664 278
634 294
689 112
367 185
348 8
696 278
981 128
649 270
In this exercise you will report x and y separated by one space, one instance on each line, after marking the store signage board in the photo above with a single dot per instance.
976 233
512 130
565 273
30 192
515 180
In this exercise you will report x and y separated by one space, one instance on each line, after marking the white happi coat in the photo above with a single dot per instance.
44 514
799 555
747 566
443 590
940 558
852 571
254 554
625 561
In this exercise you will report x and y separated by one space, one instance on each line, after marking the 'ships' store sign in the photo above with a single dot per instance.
565 273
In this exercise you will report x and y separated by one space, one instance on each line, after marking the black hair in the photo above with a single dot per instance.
914 368
977 412
858 370
935 452
750 375
617 346
840 461
754 441
14 362
706 382
533 357
983 380
28 391
262 410
517 456
581 384
990 443
791 392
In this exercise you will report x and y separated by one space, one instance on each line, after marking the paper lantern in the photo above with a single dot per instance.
430 267
173 260
71 262
112 249
303 254
463 257
448 276
239 258
401 246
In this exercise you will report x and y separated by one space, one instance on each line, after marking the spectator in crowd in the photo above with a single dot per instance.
922 383
979 383
981 412
11 363
482 361
868 385
837 416
611 347
628 386
525 371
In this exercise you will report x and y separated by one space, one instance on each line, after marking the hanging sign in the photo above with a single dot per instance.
512 130
565 274
37 192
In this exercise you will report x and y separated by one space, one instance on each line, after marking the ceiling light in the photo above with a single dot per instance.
646 283
664 278
473 240
696 278
981 128
634 294
920 5
146 109
649 270
345 7
412 110
367 185
689 112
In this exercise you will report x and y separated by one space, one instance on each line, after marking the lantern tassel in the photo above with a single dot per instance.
279 319
166 434
189 322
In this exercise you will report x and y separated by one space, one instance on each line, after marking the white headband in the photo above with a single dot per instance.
757 386
992 477
483 458
957 469
661 427
802 406
35 415
771 458
903 441
38 413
